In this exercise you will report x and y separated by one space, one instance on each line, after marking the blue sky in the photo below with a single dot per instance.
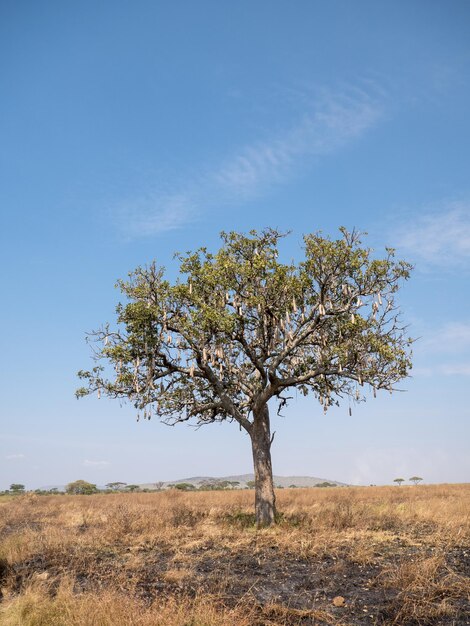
131 130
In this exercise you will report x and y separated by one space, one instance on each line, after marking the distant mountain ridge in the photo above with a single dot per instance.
243 479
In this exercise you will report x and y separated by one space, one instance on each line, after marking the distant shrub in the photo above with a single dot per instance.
16 488
81 487
184 486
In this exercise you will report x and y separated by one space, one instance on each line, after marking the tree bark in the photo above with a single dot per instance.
265 500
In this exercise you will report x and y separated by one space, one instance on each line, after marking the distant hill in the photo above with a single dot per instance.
243 479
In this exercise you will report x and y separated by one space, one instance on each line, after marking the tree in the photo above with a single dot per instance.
212 484
116 486
132 488
415 480
16 488
399 481
239 328
81 487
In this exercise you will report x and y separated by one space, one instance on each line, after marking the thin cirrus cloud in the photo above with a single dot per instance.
335 120
444 369
12 457
451 340
439 238
320 132
451 337
88 463
456 369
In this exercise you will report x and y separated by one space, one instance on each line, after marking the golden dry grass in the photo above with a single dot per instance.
398 555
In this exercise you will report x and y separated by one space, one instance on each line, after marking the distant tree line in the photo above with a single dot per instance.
84 488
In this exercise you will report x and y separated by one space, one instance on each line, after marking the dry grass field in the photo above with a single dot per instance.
394 555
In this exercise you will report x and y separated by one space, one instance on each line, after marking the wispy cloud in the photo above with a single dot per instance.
327 124
443 369
441 349
156 213
455 369
11 457
439 238
88 463
321 131
451 337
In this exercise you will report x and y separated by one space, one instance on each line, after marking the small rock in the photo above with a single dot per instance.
338 601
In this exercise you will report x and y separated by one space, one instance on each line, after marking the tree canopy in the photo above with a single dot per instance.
17 488
239 328
81 487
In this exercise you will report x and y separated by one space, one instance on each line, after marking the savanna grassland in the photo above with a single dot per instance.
343 556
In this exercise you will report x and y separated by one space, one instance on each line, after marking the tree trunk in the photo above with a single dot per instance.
265 500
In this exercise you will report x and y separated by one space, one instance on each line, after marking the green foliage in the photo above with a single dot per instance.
239 328
325 484
116 486
218 485
48 492
81 487
250 484
240 519
16 488
132 488
399 481
415 480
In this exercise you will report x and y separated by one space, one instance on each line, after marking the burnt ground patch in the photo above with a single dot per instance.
284 587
